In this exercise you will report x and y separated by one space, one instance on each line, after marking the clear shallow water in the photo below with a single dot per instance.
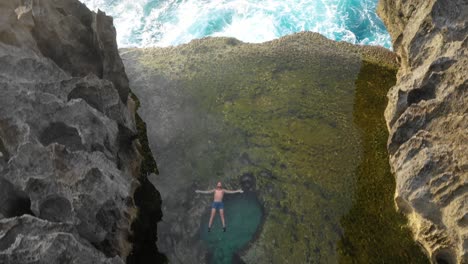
173 22
242 215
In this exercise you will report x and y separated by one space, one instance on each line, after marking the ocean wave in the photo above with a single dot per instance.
144 23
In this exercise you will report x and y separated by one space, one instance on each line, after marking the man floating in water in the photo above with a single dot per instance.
218 203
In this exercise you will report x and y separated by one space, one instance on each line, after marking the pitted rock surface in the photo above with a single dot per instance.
427 117
69 157
47 242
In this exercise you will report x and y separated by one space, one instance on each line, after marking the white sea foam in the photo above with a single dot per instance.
173 22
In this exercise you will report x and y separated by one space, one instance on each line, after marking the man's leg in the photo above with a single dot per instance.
221 213
213 213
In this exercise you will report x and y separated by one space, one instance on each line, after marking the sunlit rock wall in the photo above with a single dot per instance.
427 117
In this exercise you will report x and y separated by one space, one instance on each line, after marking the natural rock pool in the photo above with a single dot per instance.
302 116
243 215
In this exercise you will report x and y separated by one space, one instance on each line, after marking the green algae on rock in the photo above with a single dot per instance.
148 201
281 111
373 231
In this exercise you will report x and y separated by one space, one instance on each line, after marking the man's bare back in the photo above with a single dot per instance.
218 202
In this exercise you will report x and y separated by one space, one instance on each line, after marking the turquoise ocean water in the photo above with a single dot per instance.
144 23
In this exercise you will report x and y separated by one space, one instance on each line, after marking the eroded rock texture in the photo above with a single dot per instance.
69 158
427 117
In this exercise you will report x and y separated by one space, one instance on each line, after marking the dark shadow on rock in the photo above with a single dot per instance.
148 201
56 209
13 202
62 134
372 229
248 182
106 218
236 259
88 93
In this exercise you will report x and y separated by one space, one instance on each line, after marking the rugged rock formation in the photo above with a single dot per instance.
427 117
69 154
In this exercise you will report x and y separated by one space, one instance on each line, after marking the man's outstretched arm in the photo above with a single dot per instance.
231 191
209 191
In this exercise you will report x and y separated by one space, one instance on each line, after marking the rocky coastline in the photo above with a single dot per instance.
76 163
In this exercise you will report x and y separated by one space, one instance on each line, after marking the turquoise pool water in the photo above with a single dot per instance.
243 215
172 22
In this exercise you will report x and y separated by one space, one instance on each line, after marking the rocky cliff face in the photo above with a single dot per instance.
427 117
69 154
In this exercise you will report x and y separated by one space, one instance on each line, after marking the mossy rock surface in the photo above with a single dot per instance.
291 113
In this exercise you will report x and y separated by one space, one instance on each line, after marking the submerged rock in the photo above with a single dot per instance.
427 116
70 159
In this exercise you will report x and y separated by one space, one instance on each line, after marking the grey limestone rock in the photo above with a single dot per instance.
69 157
28 239
427 117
